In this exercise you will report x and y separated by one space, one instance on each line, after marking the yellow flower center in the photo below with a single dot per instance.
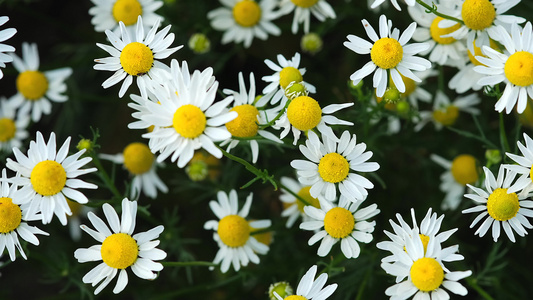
136 59
519 68
295 297
7 129
464 169
304 193
137 158
446 117
304 113
264 237
247 13
233 230
10 215
410 86
189 121
437 33
333 167
427 274
48 177
245 125
288 75
478 52
32 84
119 250
339 222
127 11
478 14
502 206
304 3
386 53
531 170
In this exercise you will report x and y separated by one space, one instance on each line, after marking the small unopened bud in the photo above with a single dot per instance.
392 95
311 43
295 89
197 170
282 288
85 144
493 156
199 43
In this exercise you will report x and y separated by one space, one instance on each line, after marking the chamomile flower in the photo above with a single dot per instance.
427 277
107 14
79 211
461 171
345 223
515 69
389 53
293 207
446 112
246 125
47 177
119 249
286 72
140 163
35 89
137 56
377 3
329 164
13 221
311 289
237 246
5 34
303 10
242 20
501 207
12 127
523 166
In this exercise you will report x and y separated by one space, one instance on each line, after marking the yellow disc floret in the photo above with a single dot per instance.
446 117
7 129
245 125
427 274
247 13
437 33
386 53
10 215
304 113
519 68
138 158
339 222
304 3
288 75
136 59
233 230
119 251
48 177
502 206
32 84
189 121
127 11
478 14
304 193
295 297
333 167
464 169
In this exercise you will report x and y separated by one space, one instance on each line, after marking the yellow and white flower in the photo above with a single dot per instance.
293 207
303 10
237 246
119 249
107 14
5 34
310 288
47 177
12 127
523 166
242 20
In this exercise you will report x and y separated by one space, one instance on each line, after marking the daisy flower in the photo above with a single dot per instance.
329 164
377 3
480 18
186 118
446 112
107 14
35 89
523 166
12 128
310 288
293 207
246 125
501 207
237 246
136 56
13 221
515 69
303 10
427 277
390 55
242 20
345 223
140 163
286 72
119 249
5 34
79 211
47 177
461 171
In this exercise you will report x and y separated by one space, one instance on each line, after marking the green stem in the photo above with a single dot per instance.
188 264
472 282
433 9
271 122
105 177
473 136
294 194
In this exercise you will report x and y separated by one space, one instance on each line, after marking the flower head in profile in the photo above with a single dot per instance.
107 14
446 112
12 126
5 34
303 10
310 288
242 20
120 248
523 166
